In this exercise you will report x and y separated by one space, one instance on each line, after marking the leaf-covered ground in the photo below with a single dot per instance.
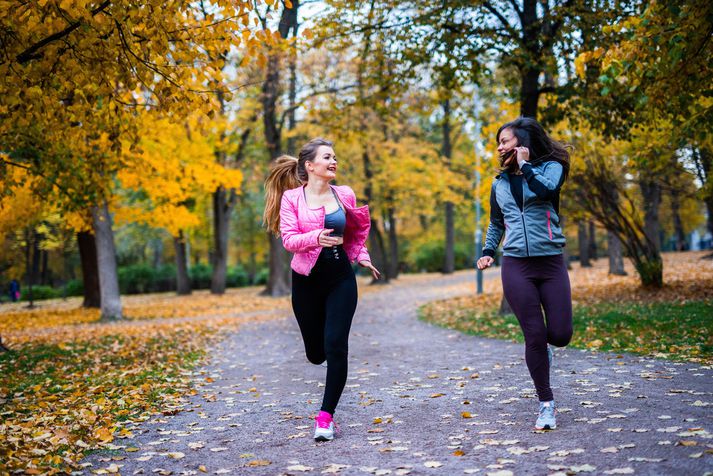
423 400
71 380
612 313
75 386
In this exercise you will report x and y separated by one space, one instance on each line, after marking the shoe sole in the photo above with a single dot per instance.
547 427
321 436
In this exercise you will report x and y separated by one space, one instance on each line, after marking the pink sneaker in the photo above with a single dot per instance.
324 427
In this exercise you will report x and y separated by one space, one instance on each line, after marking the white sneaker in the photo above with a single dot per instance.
323 427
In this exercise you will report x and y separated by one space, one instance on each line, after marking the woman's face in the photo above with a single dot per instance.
508 141
324 164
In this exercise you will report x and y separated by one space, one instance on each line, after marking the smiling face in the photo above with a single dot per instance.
507 141
324 164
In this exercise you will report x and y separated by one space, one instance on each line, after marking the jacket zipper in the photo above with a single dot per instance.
522 216
549 228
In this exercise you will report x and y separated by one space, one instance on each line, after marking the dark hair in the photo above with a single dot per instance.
543 148
287 172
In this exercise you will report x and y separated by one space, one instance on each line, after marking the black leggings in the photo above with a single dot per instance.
324 303
529 284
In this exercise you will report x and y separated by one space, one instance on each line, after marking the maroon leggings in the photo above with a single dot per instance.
531 284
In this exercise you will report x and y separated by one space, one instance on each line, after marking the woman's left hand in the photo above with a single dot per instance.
374 272
523 155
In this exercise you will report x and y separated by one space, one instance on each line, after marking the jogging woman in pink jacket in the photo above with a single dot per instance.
321 224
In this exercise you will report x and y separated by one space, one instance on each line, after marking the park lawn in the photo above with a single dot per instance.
680 331
611 313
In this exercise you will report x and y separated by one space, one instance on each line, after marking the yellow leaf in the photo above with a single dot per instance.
103 434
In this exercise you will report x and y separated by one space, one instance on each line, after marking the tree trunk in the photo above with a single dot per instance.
90 269
592 241
29 232
393 270
678 233
651 192
292 98
704 169
36 257
582 237
279 280
449 256
529 92
377 251
156 252
446 152
44 268
223 204
183 281
602 192
616 259
106 264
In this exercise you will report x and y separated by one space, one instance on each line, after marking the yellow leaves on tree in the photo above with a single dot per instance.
173 167
73 74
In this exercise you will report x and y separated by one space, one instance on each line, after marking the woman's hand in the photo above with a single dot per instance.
523 155
485 262
367 264
328 241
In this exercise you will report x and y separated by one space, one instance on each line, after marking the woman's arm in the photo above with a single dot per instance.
292 239
544 183
496 228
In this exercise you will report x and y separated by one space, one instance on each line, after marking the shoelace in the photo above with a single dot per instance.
323 422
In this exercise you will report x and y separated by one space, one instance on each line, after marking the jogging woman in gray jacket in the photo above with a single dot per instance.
524 206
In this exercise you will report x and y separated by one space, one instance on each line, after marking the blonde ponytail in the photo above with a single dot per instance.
283 176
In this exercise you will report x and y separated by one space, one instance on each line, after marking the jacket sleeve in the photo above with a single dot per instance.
545 182
363 254
496 228
292 239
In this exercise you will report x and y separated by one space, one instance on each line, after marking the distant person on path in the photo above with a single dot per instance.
14 290
321 224
524 206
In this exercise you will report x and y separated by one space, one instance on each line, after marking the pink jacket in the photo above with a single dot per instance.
300 227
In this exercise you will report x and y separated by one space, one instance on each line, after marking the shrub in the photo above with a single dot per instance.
237 277
40 292
200 275
430 256
136 279
74 287
261 276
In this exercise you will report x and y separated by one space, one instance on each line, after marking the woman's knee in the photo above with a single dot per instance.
316 357
560 338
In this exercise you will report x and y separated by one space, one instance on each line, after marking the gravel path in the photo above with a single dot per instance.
423 400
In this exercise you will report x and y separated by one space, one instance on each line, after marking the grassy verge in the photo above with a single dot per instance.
675 330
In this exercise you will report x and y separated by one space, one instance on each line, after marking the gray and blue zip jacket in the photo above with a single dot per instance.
530 222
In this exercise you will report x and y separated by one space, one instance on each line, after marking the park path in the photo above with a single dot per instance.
423 400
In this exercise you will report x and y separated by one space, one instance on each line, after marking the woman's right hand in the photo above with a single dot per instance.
485 262
328 241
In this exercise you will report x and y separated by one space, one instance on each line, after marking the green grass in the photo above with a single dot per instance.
679 331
